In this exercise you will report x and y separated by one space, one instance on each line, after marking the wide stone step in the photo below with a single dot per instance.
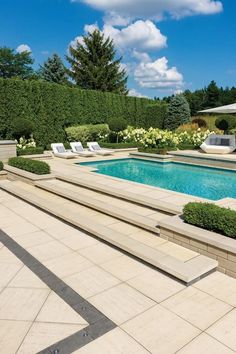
122 194
61 189
187 271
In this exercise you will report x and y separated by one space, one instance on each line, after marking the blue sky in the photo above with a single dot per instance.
167 46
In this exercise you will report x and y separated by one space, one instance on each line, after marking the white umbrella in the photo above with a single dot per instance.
230 108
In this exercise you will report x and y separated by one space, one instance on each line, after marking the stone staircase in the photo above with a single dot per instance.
122 222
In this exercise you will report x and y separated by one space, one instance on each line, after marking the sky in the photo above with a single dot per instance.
167 46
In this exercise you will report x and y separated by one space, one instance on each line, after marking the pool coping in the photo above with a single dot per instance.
90 169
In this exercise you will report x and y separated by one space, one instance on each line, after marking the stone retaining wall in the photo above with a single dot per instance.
7 149
225 254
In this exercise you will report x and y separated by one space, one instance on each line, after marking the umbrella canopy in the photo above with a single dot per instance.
230 108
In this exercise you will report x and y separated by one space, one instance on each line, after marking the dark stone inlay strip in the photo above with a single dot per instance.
99 324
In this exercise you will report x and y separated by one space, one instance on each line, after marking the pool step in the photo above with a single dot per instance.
186 265
139 216
136 198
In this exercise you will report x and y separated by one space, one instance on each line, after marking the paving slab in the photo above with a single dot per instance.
224 330
113 342
21 303
160 331
205 344
121 303
12 334
197 307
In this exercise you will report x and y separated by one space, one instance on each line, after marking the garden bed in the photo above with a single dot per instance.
14 174
207 243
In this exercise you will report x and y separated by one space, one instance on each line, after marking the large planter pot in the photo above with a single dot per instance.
211 244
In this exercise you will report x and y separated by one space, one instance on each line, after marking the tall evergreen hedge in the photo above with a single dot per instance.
53 107
156 115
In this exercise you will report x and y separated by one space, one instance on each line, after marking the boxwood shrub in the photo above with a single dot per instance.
211 217
30 151
87 132
1 165
34 166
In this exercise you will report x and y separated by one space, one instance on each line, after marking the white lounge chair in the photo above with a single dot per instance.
96 148
219 144
60 151
77 148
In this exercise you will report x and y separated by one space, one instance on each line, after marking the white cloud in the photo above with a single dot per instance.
156 74
141 35
155 8
75 41
135 93
90 28
23 48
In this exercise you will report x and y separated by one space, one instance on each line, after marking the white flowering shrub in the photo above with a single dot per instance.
26 143
152 138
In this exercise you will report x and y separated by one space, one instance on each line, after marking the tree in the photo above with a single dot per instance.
212 98
179 112
94 67
15 64
53 70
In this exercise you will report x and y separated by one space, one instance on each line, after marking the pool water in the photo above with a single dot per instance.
204 182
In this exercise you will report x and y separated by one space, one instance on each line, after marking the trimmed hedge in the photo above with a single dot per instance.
119 145
1 165
87 132
52 107
211 217
30 151
155 115
34 166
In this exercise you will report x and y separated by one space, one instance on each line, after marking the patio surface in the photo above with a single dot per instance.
62 291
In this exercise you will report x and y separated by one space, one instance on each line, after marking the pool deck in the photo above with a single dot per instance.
58 295
63 291
80 172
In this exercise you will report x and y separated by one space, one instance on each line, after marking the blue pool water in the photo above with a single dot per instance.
205 182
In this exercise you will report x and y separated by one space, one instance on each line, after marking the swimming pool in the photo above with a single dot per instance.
200 181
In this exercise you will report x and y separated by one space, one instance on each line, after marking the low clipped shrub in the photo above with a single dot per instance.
226 122
211 217
1 165
22 127
34 166
30 151
87 132
200 122
119 145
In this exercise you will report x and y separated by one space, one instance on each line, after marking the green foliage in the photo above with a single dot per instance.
53 70
15 64
22 127
117 124
94 67
156 115
30 151
53 107
200 122
210 120
118 145
178 114
226 122
34 166
1 165
211 217
88 132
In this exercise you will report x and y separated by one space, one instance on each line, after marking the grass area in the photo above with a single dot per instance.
210 120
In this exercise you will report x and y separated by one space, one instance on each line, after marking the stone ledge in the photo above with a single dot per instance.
8 142
176 224
155 157
210 244
16 173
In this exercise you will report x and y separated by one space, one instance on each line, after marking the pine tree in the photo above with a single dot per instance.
212 98
179 112
53 70
15 64
94 67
